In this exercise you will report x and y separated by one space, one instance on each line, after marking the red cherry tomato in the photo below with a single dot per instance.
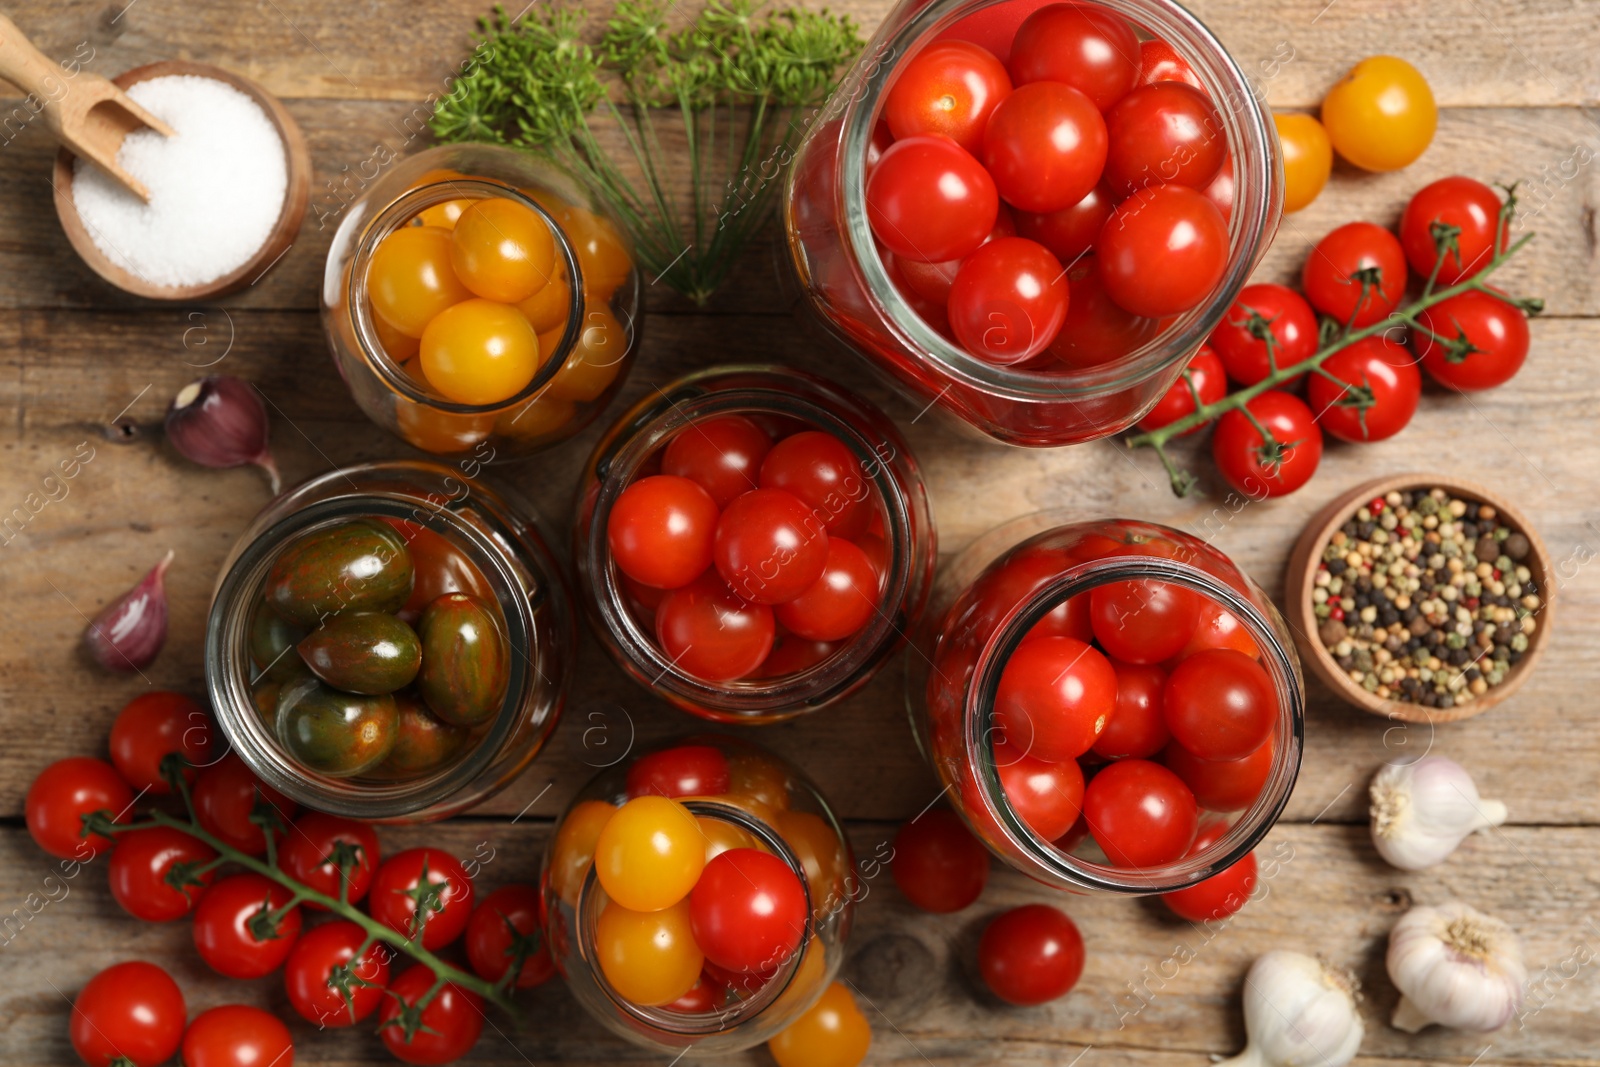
1056 695
1022 574
226 796
236 1035
1221 189
660 531
63 794
507 924
840 602
821 470
1045 147
1089 48
709 633
1142 620
1137 729
1162 251
310 851
938 864
1472 341
1160 62
1220 704
1222 785
1219 628
154 875
1219 896
791 655
1008 301
1140 813
1030 955
1282 313
442 1032
1356 274
1097 329
325 981
428 877
1381 389
769 546
1203 377
1469 207
1070 232
748 911
930 200
234 931
153 726
679 771
1070 618
993 27
1258 470
703 996
722 454
129 1012
1163 133
950 87
1048 797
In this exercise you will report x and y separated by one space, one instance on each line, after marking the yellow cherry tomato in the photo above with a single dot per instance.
438 174
1380 116
808 977
548 308
820 852
596 358
721 835
443 215
753 774
650 854
502 250
539 417
833 1033
1307 159
649 957
479 352
437 431
410 279
573 849
602 255
396 345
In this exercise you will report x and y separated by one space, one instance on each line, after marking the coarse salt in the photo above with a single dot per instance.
216 186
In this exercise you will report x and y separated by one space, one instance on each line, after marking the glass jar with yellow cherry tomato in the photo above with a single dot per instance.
479 303
698 896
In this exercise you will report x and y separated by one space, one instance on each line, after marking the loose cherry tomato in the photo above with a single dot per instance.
424 887
1164 133
1142 620
236 1035
832 1033
661 530
721 454
1008 301
679 771
1307 158
153 726
1356 274
930 200
153 872
1055 696
508 924
748 911
310 853
231 804
1160 62
410 279
479 352
649 855
1472 341
950 88
1162 251
1380 116
649 957
1030 955
442 1032
1220 704
821 470
234 929
1257 469
1087 47
1468 207
502 250
938 864
325 981
769 547
1140 813
1048 797
1219 896
1137 729
1097 329
709 633
1222 785
1382 386
1203 377
1045 147
840 602
128 1013
63 794
1219 628
1259 311
1070 232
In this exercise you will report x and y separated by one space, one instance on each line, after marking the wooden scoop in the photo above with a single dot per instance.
87 114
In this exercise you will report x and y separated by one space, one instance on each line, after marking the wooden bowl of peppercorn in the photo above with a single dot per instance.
1440 637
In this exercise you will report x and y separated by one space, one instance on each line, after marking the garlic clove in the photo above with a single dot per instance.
1298 1010
1423 810
129 631
221 421
1457 967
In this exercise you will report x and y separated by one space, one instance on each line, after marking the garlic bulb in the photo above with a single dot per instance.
1455 966
1422 810
1298 1012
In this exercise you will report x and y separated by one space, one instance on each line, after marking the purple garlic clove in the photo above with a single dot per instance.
220 421
130 630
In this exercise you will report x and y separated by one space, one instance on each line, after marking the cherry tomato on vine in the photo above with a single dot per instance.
309 854
1048 797
1163 250
423 885
649 855
649 957
1381 115
1256 469
1097 329
823 472
840 602
1008 301
1380 390
63 794
1089 48
1204 377
1071 231
938 864
1140 813
323 970
1137 729
1056 695
768 546
1163 133
660 531
506 924
1045 147
1221 895
153 726
748 911
833 1032
1030 955
1222 785
130 1011
1142 620
950 88
1220 704
1160 62
679 771
1356 274
1307 158
1468 207
154 873
236 1035
440 1033
234 930
930 200
1240 338
1472 341
721 454
231 803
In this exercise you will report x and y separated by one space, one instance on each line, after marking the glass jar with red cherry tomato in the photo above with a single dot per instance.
698 895
1030 215
752 543
1112 705
390 641
480 304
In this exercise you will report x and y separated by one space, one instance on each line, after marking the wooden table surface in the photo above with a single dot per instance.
1518 89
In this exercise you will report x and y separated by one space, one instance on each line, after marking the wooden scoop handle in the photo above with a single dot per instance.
35 73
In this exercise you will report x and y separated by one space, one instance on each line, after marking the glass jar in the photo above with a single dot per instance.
1038 571
837 274
741 796
461 537
586 319
798 676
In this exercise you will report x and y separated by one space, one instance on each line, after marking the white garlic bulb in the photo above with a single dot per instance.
1455 966
1298 1012
1421 811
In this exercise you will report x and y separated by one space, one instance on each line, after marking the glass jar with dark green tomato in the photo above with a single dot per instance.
390 641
